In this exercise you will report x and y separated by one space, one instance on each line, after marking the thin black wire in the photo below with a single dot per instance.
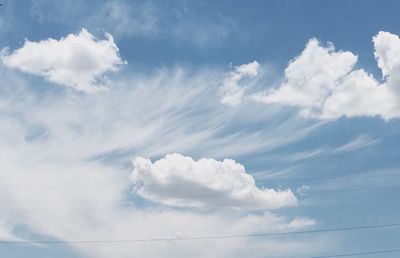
63 187
358 254
127 186
345 190
350 228
307 193
326 178
188 183
161 186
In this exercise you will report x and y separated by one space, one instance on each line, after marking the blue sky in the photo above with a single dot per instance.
146 120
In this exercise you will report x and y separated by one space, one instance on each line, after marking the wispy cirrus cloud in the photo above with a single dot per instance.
66 172
361 141
73 150
180 22
123 19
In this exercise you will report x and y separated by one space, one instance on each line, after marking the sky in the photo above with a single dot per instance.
199 128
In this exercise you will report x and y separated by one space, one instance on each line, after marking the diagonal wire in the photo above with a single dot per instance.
359 254
350 228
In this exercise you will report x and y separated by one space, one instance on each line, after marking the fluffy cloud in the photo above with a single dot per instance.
311 76
180 181
66 164
77 61
233 88
66 159
359 94
323 83
387 53
89 201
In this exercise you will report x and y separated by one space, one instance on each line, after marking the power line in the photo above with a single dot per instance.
151 185
346 178
352 189
63 187
350 228
327 178
47 201
306 193
358 254
186 184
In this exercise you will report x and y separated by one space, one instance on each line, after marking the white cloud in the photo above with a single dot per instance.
89 201
6 232
323 83
77 61
361 141
179 180
311 76
359 94
233 89
73 151
387 53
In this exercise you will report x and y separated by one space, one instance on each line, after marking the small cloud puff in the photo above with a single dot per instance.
77 61
232 90
180 181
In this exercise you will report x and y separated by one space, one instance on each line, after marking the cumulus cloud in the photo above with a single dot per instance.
387 53
179 180
323 82
89 201
66 159
311 76
233 88
79 61
359 94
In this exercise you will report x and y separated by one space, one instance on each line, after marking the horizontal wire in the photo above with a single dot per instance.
63 187
326 178
189 183
305 194
350 228
358 254
308 192
345 190
47 201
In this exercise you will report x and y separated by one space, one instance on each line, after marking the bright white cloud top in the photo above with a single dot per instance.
64 156
323 83
387 53
233 89
179 180
79 61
